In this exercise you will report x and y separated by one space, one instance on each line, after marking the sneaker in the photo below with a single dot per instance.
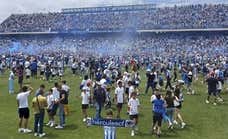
52 124
58 127
36 134
220 100
159 135
193 92
132 133
21 130
175 122
214 103
183 125
207 102
84 119
136 128
27 131
170 126
49 123
42 135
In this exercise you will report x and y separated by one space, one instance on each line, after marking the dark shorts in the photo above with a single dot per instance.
179 106
34 72
23 113
20 80
127 91
42 73
137 85
119 105
133 116
73 70
157 118
211 92
54 109
27 77
49 111
85 106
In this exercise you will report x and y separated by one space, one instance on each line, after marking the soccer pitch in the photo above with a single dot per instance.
204 121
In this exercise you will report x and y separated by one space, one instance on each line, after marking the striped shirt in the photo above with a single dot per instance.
109 132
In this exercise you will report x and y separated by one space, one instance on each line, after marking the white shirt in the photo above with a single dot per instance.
27 64
42 67
74 66
11 77
50 100
56 94
131 90
219 85
133 104
23 99
107 72
28 72
65 87
120 94
126 79
103 81
153 97
85 97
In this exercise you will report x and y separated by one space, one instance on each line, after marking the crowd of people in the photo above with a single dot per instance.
177 17
101 75
162 44
112 65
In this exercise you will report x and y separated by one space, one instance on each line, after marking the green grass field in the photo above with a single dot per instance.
203 121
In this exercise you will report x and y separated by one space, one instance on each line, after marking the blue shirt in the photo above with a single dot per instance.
158 106
34 66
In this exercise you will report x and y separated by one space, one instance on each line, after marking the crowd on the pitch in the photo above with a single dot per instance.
100 76
162 44
178 17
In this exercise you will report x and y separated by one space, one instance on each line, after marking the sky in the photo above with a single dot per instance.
8 7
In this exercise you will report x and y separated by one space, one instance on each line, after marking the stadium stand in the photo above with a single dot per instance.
121 19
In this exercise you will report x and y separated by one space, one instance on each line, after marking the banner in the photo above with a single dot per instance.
110 122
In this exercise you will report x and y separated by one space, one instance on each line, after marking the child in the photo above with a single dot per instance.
119 97
11 82
108 98
53 73
178 105
60 73
42 70
109 132
219 89
27 73
85 102
133 108
50 101
137 80
189 83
